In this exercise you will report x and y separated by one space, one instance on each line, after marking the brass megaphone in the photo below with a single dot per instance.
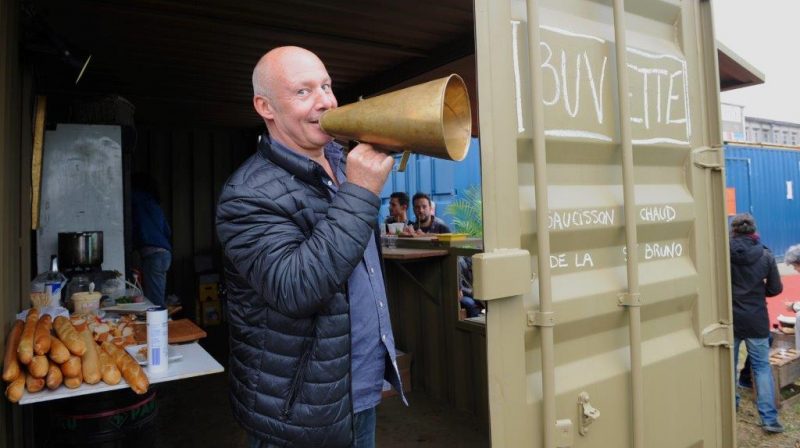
432 118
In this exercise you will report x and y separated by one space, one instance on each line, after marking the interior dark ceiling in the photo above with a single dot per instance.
190 63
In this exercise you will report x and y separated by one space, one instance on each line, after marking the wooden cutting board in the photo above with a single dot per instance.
181 330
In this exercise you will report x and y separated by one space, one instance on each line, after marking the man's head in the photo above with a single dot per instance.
291 90
743 224
422 208
398 205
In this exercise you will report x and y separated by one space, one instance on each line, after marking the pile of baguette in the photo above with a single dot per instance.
36 358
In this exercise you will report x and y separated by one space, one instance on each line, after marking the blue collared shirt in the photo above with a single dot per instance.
370 327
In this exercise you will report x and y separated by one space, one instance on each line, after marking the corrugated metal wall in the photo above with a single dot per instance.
444 180
766 180
190 166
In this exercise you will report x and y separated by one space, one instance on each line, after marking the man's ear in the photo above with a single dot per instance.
263 107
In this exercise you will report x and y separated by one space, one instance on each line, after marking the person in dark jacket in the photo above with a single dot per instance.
151 235
426 221
754 277
310 337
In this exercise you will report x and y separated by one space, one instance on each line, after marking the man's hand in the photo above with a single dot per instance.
368 168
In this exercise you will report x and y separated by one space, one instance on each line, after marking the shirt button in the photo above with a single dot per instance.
330 183
383 337
381 304
371 271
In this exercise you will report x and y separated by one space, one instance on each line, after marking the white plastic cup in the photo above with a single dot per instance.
157 340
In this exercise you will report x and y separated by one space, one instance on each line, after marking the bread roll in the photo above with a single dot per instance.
25 348
89 360
16 388
34 384
58 351
66 332
130 369
38 366
11 370
41 338
72 367
73 382
54 377
109 370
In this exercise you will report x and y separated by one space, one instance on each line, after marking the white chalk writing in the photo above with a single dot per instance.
579 218
664 213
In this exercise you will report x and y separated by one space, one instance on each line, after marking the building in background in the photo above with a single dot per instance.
733 122
762 130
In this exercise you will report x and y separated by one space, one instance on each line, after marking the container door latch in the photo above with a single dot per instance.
588 413
717 335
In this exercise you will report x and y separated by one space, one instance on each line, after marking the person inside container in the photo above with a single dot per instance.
310 335
398 208
426 221
754 277
151 236
465 295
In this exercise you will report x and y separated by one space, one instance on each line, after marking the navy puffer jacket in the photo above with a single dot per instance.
289 250
754 277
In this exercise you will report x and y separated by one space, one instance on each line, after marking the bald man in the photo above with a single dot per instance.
310 338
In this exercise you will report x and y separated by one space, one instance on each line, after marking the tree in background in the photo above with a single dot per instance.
467 212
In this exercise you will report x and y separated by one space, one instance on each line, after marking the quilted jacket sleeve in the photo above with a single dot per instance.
296 274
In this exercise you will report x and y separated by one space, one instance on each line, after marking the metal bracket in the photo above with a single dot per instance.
501 273
717 335
587 412
628 299
564 434
709 157
540 319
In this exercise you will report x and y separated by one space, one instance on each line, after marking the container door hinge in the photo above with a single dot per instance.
587 412
709 157
717 335
501 273
540 319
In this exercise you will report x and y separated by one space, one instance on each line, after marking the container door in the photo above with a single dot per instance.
585 349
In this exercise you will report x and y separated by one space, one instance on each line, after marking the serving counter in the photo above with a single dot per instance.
449 354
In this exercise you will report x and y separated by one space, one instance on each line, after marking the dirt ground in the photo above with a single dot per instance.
751 435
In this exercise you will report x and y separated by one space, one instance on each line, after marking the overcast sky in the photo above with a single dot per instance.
766 33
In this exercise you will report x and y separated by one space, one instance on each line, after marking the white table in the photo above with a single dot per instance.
195 362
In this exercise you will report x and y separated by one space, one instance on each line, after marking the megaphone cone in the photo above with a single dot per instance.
433 118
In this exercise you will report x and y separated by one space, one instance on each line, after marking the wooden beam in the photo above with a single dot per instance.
36 165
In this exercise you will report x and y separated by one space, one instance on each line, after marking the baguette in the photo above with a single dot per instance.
38 366
72 367
54 377
108 369
16 388
66 332
11 370
41 338
73 382
33 384
89 360
25 348
58 351
130 369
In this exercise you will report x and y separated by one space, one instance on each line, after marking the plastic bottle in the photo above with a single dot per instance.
157 340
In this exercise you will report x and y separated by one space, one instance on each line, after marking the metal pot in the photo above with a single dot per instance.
80 249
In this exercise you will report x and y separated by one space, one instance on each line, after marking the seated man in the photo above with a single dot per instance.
426 221
398 208
465 296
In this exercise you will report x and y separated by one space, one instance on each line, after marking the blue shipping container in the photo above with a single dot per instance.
765 180
443 180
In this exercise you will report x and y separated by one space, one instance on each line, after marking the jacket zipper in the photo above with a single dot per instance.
296 382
